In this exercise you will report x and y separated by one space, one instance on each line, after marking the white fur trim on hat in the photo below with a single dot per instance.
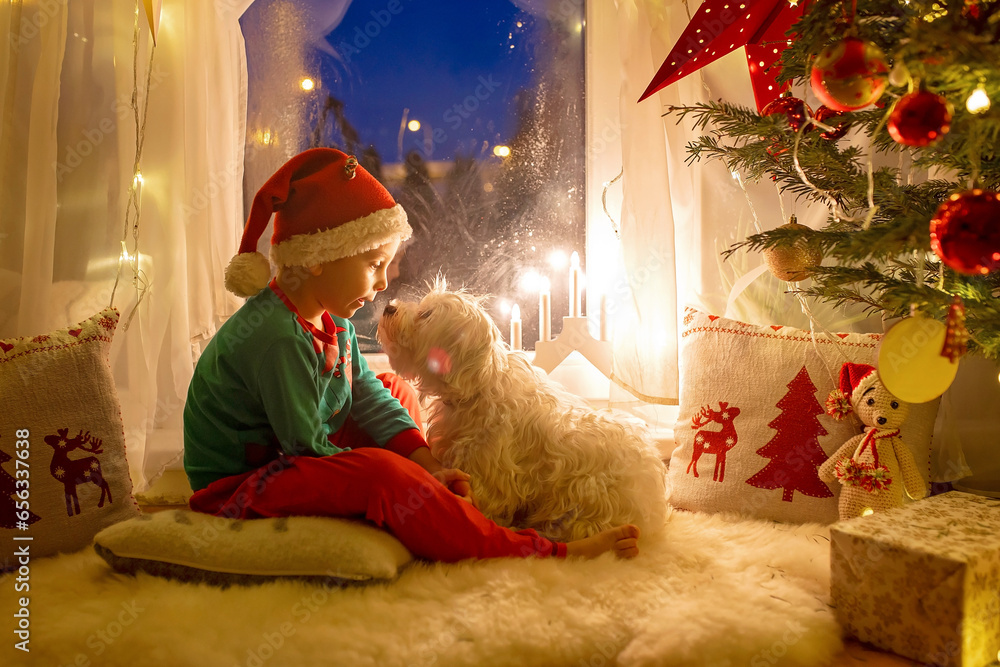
346 240
247 274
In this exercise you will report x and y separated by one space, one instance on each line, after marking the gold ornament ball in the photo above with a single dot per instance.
910 364
791 263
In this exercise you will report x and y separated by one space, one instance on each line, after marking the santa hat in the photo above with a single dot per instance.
326 207
854 379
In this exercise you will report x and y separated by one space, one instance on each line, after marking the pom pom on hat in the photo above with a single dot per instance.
852 377
838 405
326 207
247 274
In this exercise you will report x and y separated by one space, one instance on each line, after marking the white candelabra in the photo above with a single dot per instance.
575 334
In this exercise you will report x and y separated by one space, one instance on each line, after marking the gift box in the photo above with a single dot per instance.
923 580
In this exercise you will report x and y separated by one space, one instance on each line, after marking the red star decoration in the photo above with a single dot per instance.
721 26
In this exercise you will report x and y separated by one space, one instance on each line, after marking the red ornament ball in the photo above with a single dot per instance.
834 119
965 232
849 74
793 108
920 118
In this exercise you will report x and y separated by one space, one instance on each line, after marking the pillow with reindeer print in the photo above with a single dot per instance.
752 428
63 473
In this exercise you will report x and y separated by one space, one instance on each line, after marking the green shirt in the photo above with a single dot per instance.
266 380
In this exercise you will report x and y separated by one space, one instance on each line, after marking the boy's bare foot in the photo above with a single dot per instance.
623 540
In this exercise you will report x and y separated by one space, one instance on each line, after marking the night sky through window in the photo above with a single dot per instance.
452 65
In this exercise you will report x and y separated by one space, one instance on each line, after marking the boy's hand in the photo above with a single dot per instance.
457 482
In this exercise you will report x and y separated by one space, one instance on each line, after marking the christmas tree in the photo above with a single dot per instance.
914 215
8 497
794 450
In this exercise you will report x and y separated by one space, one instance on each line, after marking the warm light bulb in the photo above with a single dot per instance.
263 137
307 84
501 150
531 281
868 511
979 101
413 125
137 179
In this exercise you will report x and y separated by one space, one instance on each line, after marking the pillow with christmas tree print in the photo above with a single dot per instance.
63 473
752 429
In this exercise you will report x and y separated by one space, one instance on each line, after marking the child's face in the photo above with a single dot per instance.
342 286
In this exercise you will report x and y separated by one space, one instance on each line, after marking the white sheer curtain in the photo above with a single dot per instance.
676 218
673 218
68 146
647 237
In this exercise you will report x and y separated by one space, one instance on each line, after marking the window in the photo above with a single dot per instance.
472 119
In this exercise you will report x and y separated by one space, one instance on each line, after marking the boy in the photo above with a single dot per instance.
282 418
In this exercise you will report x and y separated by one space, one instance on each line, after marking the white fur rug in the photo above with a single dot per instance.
710 591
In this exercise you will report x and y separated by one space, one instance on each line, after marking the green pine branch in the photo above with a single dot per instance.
878 256
878 251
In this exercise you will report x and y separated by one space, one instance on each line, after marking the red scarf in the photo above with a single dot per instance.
872 434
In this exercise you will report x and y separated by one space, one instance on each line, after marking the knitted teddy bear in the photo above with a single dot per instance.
876 466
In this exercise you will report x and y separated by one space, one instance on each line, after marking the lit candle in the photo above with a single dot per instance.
515 328
604 317
544 311
574 284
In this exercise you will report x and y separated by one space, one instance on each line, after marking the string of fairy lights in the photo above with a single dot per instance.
129 255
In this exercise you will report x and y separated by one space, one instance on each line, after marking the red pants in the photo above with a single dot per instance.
372 483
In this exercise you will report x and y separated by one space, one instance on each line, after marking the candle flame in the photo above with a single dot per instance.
515 313
574 260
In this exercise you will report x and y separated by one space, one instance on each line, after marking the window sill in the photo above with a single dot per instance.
578 376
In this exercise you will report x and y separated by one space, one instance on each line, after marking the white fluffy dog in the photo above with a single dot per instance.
539 457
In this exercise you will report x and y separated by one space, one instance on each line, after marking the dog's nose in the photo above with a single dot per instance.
881 421
389 310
